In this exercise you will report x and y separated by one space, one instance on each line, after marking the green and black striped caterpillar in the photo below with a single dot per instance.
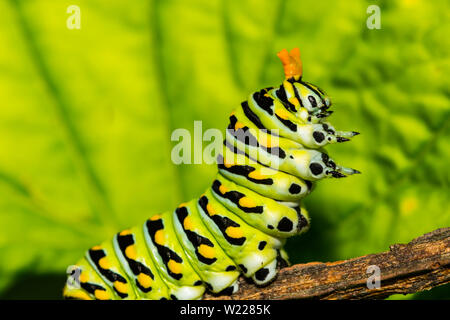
270 159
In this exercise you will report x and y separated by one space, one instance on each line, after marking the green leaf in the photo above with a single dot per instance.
86 118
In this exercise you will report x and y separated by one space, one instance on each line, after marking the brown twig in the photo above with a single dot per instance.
420 265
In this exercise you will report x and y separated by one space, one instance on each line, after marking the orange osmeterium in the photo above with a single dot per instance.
292 64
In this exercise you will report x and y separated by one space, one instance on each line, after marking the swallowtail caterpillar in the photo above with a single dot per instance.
240 224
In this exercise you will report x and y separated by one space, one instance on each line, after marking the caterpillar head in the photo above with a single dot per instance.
314 99
308 101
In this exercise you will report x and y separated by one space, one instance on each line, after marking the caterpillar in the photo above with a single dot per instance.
272 156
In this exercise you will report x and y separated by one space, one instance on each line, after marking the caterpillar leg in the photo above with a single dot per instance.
269 272
266 274
282 259
233 288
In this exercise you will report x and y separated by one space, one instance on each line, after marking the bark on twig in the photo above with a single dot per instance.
420 265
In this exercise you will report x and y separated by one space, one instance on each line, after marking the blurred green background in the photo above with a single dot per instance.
86 118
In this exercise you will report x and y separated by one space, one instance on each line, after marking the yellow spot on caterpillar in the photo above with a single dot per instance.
125 232
104 263
84 277
268 95
184 204
234 232
232 113
283 113
238 125
121 287
95 248
227 162
155 217
223 189
174 266
101 294
289 88
210 209
130 252
206 251
294 101
78 294
187 223
159 237
144 280
247 202
304 92
256 175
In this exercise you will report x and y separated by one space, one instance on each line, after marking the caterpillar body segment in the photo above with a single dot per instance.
138 264
104 261
250 248
292 158
268 215
217 271
266 180
272 155
174 266
90 285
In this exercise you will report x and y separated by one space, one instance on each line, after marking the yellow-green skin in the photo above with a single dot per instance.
239 225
